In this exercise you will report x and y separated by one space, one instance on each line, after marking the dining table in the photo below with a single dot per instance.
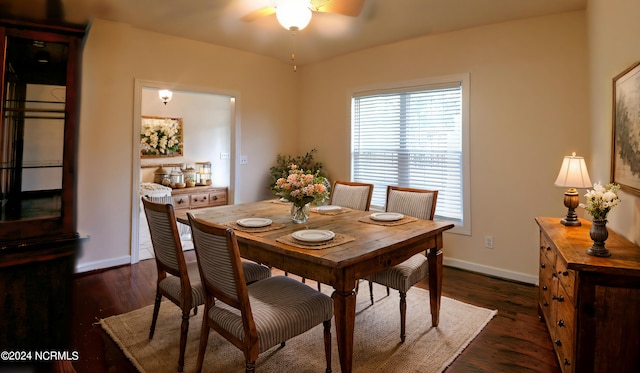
359 245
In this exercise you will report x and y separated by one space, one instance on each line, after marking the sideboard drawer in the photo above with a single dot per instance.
565 330
218 198
567 279
199 197
199 200
181 202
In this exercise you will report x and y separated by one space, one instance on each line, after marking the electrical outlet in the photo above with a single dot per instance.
244 159
224 155
488 242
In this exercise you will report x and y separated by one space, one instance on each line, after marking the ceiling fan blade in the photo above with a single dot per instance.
350 8
252 16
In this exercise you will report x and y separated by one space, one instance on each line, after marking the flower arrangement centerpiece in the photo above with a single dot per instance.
599 202
301 188
161 137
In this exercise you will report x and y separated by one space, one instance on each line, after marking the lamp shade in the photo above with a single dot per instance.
573 173
293 15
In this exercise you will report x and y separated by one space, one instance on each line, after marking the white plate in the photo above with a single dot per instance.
313 235
254 222
386 216
329 208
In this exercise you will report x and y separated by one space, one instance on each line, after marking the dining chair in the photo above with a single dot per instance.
421 204
179 280
351 194
252 317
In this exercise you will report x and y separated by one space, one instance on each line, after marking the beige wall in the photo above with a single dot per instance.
528 109
613 46
114 56
530 106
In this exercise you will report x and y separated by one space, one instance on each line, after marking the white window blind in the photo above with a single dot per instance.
411 137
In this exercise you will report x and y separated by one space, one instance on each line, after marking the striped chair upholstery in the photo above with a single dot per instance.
420 204
352 195
252 317
178 280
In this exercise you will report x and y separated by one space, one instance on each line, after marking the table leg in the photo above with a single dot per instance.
344 310
435 283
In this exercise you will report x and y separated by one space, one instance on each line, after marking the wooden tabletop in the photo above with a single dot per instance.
370 240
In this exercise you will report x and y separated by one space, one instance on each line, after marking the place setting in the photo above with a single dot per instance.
330 210
387 218
254 225
314 239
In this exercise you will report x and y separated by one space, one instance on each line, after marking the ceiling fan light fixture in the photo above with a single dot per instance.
293 15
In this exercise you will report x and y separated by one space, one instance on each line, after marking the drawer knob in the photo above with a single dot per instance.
546 304
180 201
564 273
559 298
204 198
558 342
561 323
548 248
542 265
215 198
544 288
566 362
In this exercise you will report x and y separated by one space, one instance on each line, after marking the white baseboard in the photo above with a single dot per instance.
491 271
101 264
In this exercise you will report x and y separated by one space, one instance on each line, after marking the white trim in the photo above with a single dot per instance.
491 271
103 264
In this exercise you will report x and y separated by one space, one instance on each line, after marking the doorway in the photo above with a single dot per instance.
208 134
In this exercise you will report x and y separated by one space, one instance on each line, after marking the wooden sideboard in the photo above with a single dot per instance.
591 305
198 197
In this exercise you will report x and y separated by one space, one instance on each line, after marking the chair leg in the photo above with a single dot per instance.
250 367
204 336
195 310
403 314
156 309
184 328
319 288
387 291
371 291
327 343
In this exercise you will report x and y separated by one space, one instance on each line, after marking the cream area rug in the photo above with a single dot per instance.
377 346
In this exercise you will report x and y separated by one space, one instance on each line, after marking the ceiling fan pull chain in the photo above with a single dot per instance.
293 51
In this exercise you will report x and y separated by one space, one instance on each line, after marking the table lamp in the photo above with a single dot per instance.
573 174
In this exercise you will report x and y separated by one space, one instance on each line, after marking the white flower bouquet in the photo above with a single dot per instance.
601 200
161 137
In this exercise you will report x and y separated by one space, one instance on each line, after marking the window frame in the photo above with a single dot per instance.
461 227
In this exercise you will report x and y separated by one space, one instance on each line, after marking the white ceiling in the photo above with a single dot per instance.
219 21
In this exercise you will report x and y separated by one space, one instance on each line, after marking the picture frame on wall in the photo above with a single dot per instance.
625 157
161 137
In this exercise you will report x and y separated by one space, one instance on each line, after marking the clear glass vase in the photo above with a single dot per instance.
300 214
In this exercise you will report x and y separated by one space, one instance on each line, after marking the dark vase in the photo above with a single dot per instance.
598 234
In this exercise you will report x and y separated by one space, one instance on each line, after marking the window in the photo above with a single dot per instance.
415 135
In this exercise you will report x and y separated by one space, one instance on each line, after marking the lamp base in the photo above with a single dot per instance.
570 221
571 201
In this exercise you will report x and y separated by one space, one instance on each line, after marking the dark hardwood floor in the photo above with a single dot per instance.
514 341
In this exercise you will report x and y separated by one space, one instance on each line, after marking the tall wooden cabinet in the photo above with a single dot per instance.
591 305
38 239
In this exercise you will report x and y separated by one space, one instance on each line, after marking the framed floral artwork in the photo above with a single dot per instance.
625 157
161 137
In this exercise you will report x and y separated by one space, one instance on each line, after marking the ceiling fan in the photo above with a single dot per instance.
294 15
